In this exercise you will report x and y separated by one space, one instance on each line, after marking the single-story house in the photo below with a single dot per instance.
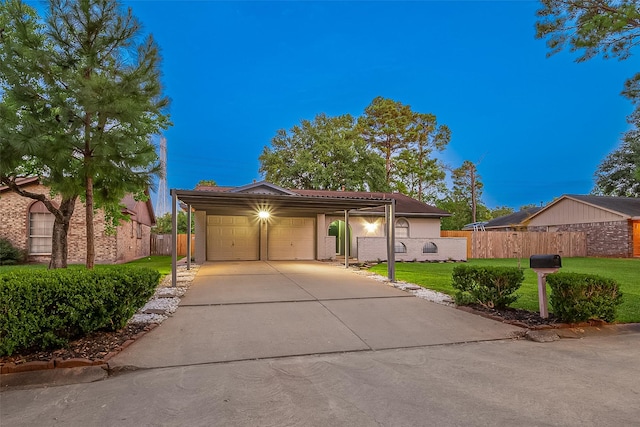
516 221
28 225
262 221
612 223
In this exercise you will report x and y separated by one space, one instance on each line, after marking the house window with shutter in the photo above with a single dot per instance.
40 229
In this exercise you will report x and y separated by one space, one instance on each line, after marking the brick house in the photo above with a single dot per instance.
28 225
612 224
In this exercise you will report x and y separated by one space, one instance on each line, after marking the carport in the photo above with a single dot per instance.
260 205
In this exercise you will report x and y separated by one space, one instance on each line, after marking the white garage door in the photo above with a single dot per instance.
292 238
231 238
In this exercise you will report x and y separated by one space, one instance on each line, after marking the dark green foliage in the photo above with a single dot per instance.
164 224
493 287
41 309
578 297
8 253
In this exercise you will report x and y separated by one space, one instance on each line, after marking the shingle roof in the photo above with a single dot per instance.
515 218
405 205
625 205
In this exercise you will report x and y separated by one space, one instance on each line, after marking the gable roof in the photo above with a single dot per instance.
625 206
405 205
514 219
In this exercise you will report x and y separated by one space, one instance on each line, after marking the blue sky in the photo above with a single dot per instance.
239 71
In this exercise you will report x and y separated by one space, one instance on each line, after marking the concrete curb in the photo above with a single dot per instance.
10 368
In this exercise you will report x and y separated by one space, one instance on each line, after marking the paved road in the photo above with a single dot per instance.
594 381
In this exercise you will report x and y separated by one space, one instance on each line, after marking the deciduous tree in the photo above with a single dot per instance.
326 153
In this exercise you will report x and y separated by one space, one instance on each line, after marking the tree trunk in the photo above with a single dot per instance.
59 247
91 250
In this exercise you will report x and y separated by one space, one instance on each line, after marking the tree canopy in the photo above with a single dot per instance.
81 97
388 148
326 154
619 173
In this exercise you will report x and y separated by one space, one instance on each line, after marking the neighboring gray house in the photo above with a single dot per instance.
262 221
516 221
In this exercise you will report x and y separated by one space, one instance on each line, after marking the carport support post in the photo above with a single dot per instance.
390 217
347 239
174 238
188 237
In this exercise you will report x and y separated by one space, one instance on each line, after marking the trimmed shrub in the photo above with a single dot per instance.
492 287
8 253
41 309
578 297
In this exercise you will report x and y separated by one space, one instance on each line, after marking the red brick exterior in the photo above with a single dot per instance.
124 246
604 239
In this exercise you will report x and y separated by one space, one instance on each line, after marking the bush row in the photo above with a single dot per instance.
578 297
9 254
40 309
489 286
574 297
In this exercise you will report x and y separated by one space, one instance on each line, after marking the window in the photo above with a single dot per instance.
430 248
402 228
138 230
401 248
40 229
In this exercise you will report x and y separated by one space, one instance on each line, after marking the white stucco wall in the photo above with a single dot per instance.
375 248
200 219
373 226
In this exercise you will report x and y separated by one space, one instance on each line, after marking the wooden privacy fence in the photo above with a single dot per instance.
521 244
161 244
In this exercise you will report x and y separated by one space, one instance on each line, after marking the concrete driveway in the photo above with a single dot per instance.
254 310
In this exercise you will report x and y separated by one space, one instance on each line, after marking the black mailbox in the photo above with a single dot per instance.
545 261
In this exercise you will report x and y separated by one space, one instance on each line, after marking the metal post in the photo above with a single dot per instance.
390 217
188 237
347 238
174 238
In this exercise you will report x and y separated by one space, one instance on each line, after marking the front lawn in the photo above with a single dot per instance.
161 263
626 272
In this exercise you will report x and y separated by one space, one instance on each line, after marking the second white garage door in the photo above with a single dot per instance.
231 238
292 238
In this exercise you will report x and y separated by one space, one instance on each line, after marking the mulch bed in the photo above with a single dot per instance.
516 315
92 347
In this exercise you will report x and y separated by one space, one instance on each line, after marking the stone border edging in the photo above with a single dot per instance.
76 362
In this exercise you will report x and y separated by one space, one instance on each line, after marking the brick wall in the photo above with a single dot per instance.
121 247
13 217
605 239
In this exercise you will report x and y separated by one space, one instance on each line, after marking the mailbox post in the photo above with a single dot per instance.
543 265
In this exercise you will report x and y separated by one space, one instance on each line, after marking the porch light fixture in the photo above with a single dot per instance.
370 227
264 214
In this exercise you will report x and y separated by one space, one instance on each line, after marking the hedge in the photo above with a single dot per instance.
42 309
493 287
578 297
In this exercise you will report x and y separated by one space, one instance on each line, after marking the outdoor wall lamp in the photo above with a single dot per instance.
370 227
263 214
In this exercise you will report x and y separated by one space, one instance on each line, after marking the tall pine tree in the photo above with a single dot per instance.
92 102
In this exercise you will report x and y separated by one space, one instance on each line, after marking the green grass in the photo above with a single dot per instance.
626 272
161 263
